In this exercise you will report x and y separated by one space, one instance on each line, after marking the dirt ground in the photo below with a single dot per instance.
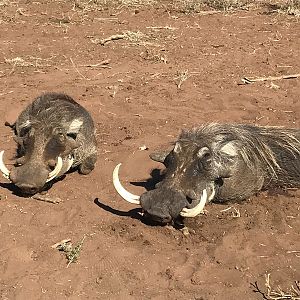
167 71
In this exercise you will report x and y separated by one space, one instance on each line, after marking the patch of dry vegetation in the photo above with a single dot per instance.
72 252
136 38
292 293
7 11
11 12
91 5
226 4
28 61
291 7
196 6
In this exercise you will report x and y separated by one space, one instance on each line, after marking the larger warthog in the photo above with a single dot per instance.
54 134
219 162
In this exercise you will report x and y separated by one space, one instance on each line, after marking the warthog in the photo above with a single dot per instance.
54 134
219 162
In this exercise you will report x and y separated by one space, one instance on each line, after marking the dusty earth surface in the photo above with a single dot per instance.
169 71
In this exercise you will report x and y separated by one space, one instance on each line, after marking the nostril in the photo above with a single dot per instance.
27 188
32 190
219 181
167 219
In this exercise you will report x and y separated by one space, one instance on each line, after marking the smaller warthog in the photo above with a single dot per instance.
219 162
54 134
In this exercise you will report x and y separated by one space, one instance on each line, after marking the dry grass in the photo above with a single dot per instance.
135 38
154 55
4 3
271 293
291 7
28 61
226 4
92 5
11 12
72 253
181 77
196 6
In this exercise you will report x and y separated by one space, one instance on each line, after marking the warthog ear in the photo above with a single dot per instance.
9 124
159 156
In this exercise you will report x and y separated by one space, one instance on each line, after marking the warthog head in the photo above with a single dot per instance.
44 153
190 179
53 134
221 162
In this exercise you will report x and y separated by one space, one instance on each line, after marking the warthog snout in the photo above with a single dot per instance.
30 179
163 205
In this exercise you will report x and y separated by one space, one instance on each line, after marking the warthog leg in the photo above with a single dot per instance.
88 164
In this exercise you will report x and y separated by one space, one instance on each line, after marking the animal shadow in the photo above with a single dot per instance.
136 213
149 184
133 213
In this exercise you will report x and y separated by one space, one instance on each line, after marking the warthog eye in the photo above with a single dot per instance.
219 181
61 136
204 153
25 131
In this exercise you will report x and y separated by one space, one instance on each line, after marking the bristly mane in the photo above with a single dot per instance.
255 144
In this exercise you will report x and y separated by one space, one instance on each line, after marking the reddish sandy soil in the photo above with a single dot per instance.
137 99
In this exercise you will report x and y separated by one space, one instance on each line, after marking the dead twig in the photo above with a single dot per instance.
278 294
236 213
59 244
102 64
247 80
39 197
134 37
162 27
76 69
113 37
22 13
210 12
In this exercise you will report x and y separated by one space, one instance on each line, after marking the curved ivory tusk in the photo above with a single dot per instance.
56 170
69 163
212 195
193 212
122 192
3 168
